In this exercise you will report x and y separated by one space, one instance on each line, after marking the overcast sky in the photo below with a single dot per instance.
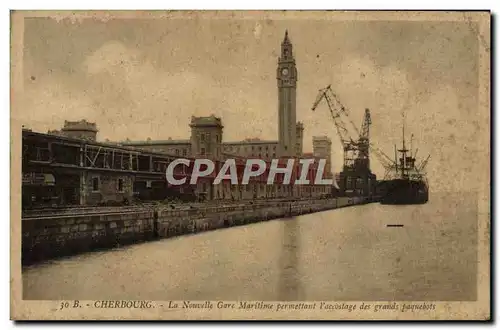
145 78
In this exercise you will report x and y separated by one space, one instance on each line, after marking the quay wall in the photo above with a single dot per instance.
53 236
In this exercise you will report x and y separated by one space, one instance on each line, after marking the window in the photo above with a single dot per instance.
253 148
267 147
95 184
216 138
203 151
260 148
177 152
202 137
184 152
274 148
120 185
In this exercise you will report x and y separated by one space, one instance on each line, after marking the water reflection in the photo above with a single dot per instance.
289 279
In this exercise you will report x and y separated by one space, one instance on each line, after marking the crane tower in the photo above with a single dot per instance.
356 178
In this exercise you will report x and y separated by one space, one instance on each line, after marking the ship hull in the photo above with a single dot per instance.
404 192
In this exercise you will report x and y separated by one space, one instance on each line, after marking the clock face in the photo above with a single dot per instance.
284 71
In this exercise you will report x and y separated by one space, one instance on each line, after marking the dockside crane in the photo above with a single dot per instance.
356 145
356 176
338 111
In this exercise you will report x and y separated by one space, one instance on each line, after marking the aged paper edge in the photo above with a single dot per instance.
49 310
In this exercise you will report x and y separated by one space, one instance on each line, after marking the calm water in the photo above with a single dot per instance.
345 254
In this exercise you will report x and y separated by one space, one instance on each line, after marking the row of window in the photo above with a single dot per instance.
268 188
96 187
178 152
260 155
247 149
96 184
354 183
206 136
184 152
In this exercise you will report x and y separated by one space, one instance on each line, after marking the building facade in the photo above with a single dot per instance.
287 76
322 148
206 137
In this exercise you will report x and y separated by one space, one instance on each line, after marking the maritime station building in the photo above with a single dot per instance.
71 167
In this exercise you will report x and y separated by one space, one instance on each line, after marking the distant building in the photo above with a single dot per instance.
322 148
82 130
181 148
252 148
206 137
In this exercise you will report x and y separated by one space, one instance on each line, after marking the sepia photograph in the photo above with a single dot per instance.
234 165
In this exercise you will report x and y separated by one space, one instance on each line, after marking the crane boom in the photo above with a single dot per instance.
384 160
424 164
336 111
360 144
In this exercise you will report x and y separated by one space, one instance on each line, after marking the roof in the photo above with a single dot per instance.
81 125
116 146
250 141
322 138
206 121
308 155
155 142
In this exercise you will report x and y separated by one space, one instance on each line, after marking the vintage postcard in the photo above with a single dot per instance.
250 165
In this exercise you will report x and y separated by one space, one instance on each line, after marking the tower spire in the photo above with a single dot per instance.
286 40
286 48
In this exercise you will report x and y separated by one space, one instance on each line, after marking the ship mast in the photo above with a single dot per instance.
404 146
396 158
403 151
411 146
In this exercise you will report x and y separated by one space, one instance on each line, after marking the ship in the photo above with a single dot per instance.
405 183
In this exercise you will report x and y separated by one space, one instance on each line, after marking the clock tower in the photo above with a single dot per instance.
287 85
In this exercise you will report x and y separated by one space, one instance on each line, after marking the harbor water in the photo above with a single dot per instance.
348 254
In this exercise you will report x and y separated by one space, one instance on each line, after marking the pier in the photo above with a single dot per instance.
62 233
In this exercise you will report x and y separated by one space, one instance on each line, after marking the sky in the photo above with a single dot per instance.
140 78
